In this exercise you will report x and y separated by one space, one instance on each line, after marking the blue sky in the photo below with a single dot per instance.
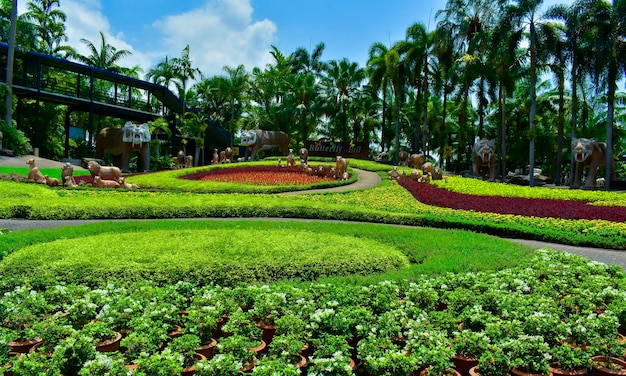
233 32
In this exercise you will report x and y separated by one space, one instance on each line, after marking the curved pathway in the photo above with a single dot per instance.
366 179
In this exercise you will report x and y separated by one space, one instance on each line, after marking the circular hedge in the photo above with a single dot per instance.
202 256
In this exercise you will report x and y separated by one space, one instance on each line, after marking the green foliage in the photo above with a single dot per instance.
14 139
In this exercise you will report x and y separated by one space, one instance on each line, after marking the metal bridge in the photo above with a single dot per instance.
95 91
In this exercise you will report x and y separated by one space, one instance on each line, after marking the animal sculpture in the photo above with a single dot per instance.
104 172
404 158
416 160
189 161
105 183
121 142
483 154
123 184
592 154
256 140
52 182
291 159
67 172
304 156
226 155
341 165
33 172
394 174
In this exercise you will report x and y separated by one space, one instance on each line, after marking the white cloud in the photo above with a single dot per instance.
220 33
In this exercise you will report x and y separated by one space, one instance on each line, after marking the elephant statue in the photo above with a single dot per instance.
121 142
483 153
256 140
589 153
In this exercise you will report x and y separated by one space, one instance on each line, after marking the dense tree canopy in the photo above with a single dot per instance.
497 69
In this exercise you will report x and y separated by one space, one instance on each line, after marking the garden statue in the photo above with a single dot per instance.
383 156
341 166
216 158
121 142
225 155
404 158
52 182
589 153
67 181
483 153
179 160
104 172
67 173
280 162
437 173
105 183
427 168
256 140
33 172
393 174
124 184
291 159
415 174
189 161
304 156
416 160
321 171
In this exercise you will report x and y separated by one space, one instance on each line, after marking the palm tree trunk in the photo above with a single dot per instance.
502 103
533 106
560 135
573 170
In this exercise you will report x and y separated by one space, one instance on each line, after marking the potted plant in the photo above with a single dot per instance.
569 360
104 338
164 363
71 353
104 364
288 347
220 365
274 366
609 358
241 347
529 355
186 345
147 337
202 322
79 312
434 351
493 362
381 356
337 364
51 332
35 363
468 346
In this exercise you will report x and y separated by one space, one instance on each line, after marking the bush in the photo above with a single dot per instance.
14 139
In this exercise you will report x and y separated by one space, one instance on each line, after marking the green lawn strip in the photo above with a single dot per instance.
171 180
150 243
52 172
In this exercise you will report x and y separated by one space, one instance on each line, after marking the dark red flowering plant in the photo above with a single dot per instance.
259 175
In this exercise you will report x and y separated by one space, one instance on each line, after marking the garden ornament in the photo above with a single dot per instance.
393 174
124 184
67 171
189 161
304 156
33 172
226 155
592 154
216 158
291 159
52 182
415 174
416 160
484 155
104 172
427 168
256 140
105 183
404 158
340 167
179 160
67 181
121 142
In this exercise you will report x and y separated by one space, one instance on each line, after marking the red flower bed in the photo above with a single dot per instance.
259 175
535 207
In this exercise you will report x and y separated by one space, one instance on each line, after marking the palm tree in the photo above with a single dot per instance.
235 87
49 24
608 38
304 61
379 78
525 14
165 73
104 58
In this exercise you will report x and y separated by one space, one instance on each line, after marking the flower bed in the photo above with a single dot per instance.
556 298
260 175
530 207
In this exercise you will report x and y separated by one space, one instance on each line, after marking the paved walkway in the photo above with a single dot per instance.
366 179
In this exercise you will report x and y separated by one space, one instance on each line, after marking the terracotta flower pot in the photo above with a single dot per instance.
557 371
23 347
110 345
208 349
518 372
599 366
463 364
191 370
268 332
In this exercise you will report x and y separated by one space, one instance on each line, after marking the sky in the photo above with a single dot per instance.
234 32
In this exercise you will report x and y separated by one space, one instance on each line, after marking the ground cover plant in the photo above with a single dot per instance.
386 203
23 171
238 251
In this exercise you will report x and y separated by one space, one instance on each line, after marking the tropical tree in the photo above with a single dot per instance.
49 26
304 61
104 57
165 73
379 74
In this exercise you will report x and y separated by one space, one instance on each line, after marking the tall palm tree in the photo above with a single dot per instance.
608 38
49 24
379 78
304 61
165 73
105 57
235 87
521 15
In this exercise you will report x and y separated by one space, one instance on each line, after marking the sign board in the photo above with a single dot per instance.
358 150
